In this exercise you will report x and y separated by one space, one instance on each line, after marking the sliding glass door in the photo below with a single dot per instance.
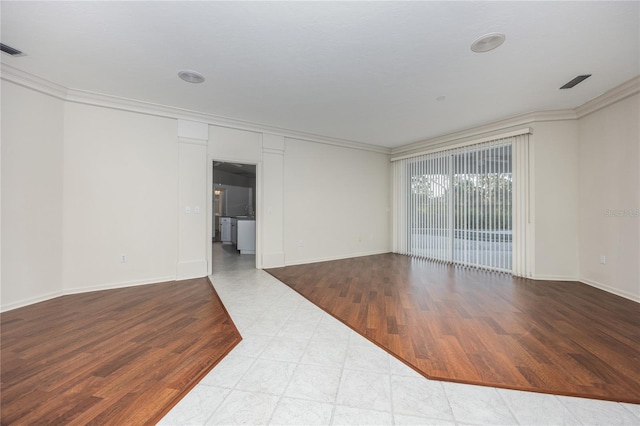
459 207
482 208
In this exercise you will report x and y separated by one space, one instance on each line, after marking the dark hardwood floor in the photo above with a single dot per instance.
484 328
123 356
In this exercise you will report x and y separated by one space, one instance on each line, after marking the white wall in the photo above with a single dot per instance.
272 207
555 202
609 200
234 145
336 202
192 209
82 185
32 138
120 197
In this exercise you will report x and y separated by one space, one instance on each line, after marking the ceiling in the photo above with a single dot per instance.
369 72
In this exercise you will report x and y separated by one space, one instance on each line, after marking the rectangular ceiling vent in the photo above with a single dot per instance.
10 50
579 79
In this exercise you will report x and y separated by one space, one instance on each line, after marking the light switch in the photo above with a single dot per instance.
187 209
196 209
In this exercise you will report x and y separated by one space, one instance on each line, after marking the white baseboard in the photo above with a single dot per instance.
328 259
609 289
272 260
604 287
30 301
554 278
79 290
110 286
191 269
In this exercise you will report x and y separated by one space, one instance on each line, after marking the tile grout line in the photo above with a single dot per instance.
255 360
393 413
504 401
344 361
297 364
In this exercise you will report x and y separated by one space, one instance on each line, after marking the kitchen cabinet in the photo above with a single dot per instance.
225 230
246 236
234 230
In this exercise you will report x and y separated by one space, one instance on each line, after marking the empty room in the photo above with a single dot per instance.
320 212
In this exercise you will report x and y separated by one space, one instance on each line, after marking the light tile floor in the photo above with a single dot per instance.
297 365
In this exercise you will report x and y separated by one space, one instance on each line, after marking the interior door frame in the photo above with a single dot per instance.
258 207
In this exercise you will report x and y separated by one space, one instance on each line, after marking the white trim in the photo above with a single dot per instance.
211 159
80 290
553 278
193 130
258 213
191 269
613 290
31 301
273 260
591 283
330 258
486 130
273 151
612 96
47 87
113 286
190 141
30 81
523 131
209 212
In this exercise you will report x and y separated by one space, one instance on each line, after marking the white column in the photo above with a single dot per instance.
192 200
272 215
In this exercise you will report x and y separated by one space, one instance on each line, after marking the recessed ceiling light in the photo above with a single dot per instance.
191 76
487 42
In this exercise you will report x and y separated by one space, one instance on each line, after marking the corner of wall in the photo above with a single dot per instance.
609 197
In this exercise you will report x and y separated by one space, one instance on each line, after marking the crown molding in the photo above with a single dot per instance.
33 82
39 84
612 96
47 87
460 144
485 130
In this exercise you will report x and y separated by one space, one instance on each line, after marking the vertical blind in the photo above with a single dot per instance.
466 205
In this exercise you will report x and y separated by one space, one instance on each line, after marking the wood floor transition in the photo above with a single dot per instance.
120 357
484 328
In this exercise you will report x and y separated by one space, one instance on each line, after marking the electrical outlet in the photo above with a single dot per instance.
300 243
603 259
123 258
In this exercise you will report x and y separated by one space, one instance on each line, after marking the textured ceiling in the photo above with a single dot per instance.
363 71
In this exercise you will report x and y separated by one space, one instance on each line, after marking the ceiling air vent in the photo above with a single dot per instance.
579 79
10 50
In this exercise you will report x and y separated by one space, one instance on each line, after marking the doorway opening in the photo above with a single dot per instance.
233 234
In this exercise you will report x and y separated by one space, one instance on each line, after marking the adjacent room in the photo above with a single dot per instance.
320 212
